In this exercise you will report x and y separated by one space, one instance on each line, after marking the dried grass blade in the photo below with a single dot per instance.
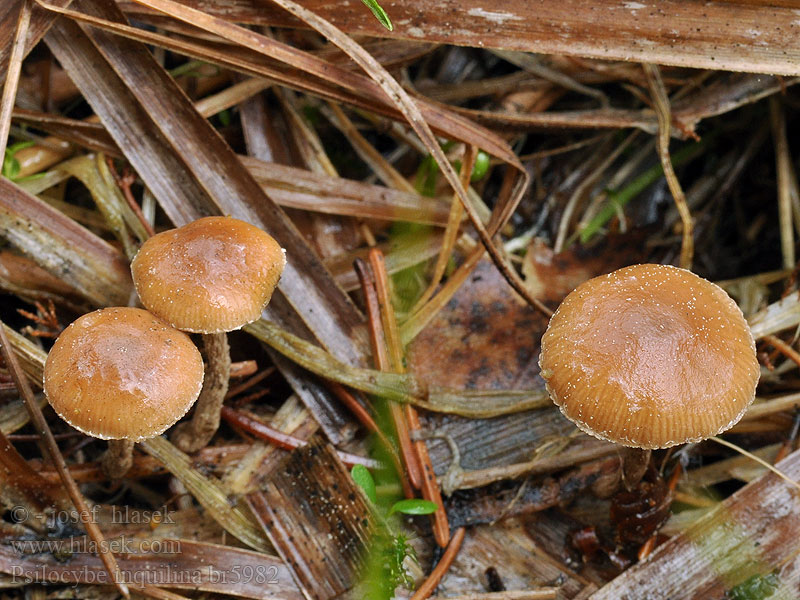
59 245
39 24
332 86
393 386
783 168
31 356
368 153
208 492
13 71
450 233
414 116
87 135
661 102
299 188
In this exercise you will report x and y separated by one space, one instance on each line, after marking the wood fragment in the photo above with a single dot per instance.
317 519
687 33
426 589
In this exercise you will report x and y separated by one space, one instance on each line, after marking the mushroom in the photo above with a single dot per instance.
650 356
210 276
123 375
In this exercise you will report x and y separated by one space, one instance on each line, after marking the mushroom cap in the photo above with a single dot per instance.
650 356
122 373
209 276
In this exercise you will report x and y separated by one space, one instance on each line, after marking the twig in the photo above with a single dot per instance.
661 103
12 74
377 332
427 587
124 183
367 421
429 484
283 440
57 459
783 348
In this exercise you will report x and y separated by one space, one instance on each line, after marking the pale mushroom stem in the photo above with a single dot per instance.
118 459
196 433
634 465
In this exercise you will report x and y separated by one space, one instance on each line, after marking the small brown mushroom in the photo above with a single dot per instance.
123 375
650 356
213 275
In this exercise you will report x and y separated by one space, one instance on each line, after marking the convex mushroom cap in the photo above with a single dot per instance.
122 373
209 276
650 356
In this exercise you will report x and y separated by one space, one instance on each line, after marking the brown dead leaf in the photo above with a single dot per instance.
550 277
486 338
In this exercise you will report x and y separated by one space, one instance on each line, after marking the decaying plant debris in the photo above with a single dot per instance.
436 202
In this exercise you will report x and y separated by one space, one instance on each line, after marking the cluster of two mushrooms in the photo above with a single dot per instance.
650 356
126 374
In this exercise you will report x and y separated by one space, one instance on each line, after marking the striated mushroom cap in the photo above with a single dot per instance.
122 373
650 356
213 275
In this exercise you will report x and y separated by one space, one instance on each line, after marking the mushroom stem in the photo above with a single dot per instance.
193 435
634 465
118 459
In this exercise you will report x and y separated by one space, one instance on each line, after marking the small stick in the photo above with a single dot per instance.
285 441
430 487
57 459
427 587
377 333
246 385
245 368
366 420
663 112
783 348
124 183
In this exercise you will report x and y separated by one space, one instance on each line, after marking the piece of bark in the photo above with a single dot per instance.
737 35
499 501
317 519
